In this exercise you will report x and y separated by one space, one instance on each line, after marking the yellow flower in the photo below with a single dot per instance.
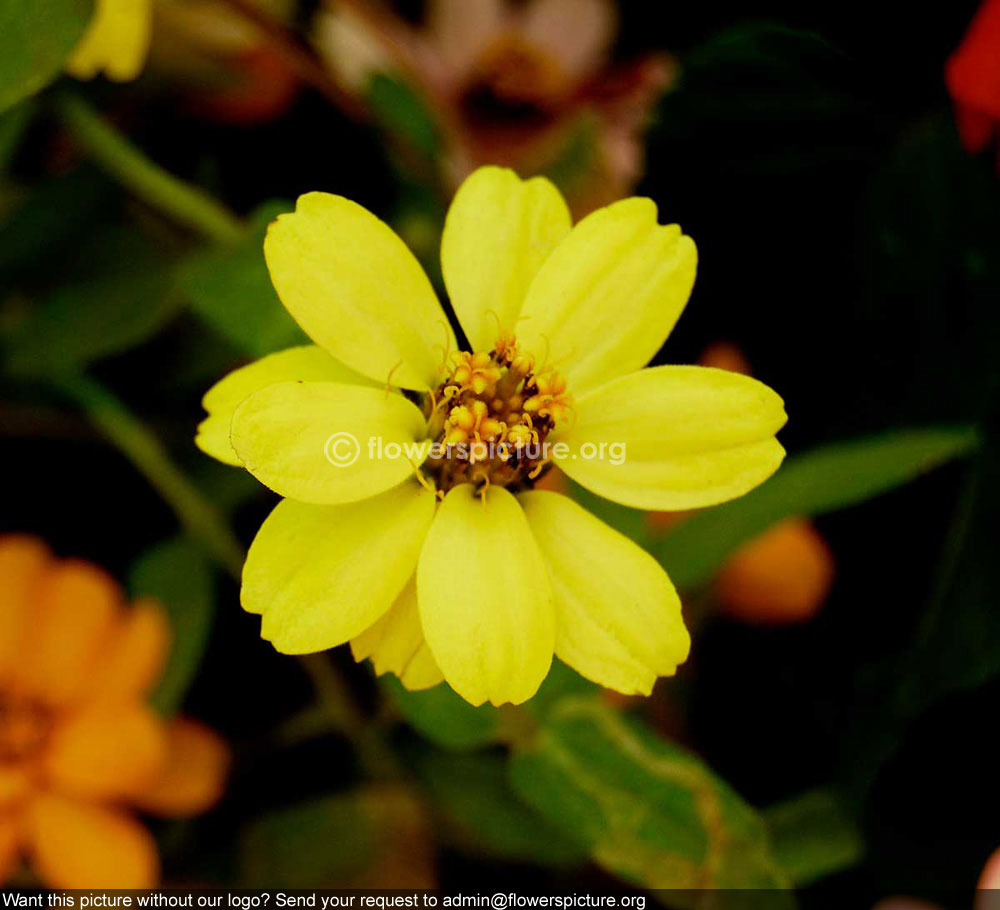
78 743
447 563
116 41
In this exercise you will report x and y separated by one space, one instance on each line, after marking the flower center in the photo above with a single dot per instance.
24 727
490 418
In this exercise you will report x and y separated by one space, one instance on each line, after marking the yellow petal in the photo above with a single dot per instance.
356 289
396 644
23 562
76 844
323 442
116 41
606 299
320 575
674 438
106 752
484 597
194 773
618 617
77 610
136 655
307 363
499 231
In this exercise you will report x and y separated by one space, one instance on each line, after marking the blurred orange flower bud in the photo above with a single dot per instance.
782 576
79 743
972 75
724 355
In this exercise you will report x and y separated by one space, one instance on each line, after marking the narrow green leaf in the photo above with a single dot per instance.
35 40
230 289
813 836
648 811
444 717
822 480
98 316
179 576
473 793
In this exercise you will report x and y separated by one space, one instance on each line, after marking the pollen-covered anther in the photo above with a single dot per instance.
477 372
494 414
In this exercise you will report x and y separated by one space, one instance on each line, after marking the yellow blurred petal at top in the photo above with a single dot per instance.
485 599
357 291
321 575
115 42
499 231
675 438
307 363
606 299
618 617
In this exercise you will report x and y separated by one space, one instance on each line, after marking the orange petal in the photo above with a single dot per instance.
77 608
9 846
782 576
194 775
15 780
137 655
989 881
107 751
23 561
76 844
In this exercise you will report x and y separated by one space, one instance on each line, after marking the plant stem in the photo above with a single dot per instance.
185 204
145 451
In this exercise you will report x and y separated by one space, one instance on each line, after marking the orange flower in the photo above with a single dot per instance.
782 576
79 745
973 78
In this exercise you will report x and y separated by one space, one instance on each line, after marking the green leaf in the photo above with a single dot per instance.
35 40
813 836
179 576
95 317
51 221
231 290
473 793
648 811
373 837
402 113
444 717
13 124
822 480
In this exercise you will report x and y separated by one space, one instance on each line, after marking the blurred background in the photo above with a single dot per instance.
836 165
